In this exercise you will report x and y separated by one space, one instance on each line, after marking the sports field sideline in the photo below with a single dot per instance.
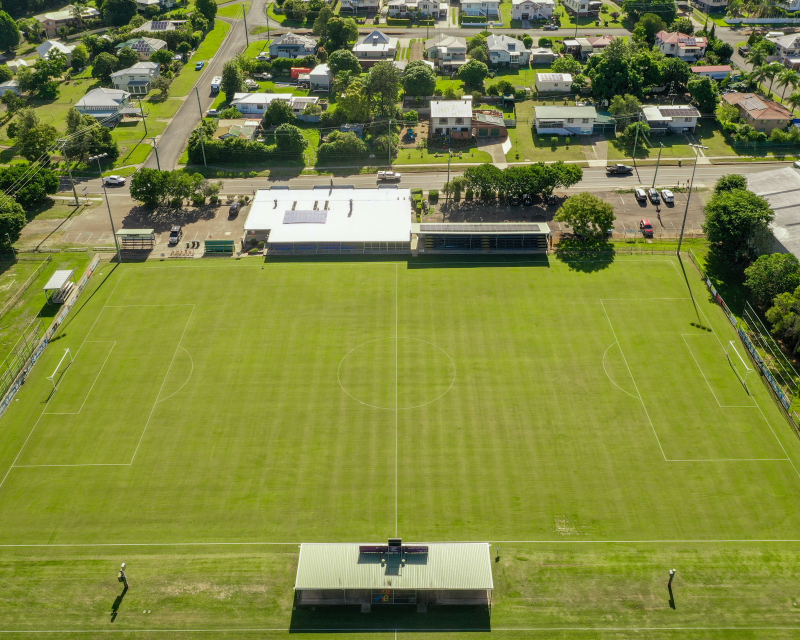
585 418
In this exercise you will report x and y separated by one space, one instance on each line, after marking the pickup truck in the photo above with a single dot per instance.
388 175
619 169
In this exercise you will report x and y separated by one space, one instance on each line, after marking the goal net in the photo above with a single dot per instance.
739 365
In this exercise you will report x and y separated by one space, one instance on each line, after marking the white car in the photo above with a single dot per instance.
641 195
212 113
797 164
667 196
113 180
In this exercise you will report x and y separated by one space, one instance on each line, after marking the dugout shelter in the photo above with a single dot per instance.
59 285
463 237
136 238
394 573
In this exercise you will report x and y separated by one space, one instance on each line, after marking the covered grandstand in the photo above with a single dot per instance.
487 236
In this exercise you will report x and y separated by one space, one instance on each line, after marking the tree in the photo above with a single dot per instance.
647 27
566 175
127 57
475 42
566 64
12 102
162 84
730 182
726 112
759 52
9 33
354 104
614 73
289 138
473 73
32 187
588 215
32 137
737 223
704 91
625 107
85 138
321 22
485 179
794 100
771 275
118 12
635 133
665 9
784 317
278 112
788 78
12 220
419 79
481 54
722 49
149 186
343 60
297 10
80 56
5 73
232 79
340 32
104 65
682 25
383 85
676 72
208 8
162 56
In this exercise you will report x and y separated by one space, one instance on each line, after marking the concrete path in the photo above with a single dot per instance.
496 151
416 51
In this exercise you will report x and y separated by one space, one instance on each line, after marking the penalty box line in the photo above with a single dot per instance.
96 378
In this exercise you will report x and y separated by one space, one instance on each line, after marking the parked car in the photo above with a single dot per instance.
235 208
199 65
646 228
389 175
550 27
175 234
262 76
797 164
667 196
640 195
211 113
653 195
114 180
515 201
527 200
263 57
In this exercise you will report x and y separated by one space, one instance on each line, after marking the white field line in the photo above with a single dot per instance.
96 378
708 384
610 378
409 630
191 371
396 384
647 413
163 382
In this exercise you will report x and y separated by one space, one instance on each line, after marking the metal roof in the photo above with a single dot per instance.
477 228
559 113
451 109
135 232
685 111
58 279
553 77
445 566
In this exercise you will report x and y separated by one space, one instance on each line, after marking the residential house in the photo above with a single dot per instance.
679 45
16 65
9 85
788 5
488 123
451 118
505 50
48 46
582 7
675 118
138 79
299 103
447 52
53 21
291 45
105 103
144 5
712 6
578 48
356 6
488 8
155 26
599 42
564 121
320 78
553 83
543 55
787 48
532 9
406 8
718 72
256 103
761 114
374 47
143 46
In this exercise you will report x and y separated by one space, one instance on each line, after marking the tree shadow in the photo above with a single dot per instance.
728 279
162 219
585 254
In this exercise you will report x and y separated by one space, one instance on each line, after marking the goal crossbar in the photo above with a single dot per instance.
747 368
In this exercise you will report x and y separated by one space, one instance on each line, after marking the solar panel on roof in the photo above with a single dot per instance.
159 25
480 228
679 112
307 217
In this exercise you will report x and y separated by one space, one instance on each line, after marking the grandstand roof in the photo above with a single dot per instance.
780 187
353 215
444 566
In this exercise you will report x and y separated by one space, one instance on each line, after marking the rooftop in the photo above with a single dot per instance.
443 40
350 215
444 566
505 43
539 2
143 44
681 39
553 77
294 38
757 107
559 113
781 188
102 97
712 68
451 108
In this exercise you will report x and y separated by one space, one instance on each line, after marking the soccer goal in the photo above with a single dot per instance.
52 378
738 364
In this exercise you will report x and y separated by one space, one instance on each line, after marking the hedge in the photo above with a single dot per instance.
398 22
237 150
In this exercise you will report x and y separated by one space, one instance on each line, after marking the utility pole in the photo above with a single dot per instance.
155 146
390 142
449 155
244 17
144 120
697 148
657 163
202 144
108 204
69 172
635 140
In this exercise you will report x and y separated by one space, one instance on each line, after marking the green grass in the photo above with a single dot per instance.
675 146
233 10
162 108
256 47
134 130
187 78
284 20
537 148
568 20
226 433
425 156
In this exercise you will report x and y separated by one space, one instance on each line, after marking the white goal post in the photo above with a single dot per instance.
52 378
747 369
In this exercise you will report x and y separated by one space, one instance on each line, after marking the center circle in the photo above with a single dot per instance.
396 373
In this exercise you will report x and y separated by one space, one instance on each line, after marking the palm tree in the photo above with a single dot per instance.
757 56
794 100
786 78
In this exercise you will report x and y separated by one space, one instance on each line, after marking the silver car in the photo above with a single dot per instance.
667 196
113 180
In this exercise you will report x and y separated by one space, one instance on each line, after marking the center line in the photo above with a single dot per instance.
396 382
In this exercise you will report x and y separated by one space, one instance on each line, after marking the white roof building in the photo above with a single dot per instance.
48 46
331 219
375 45
780 188
451 109
16 65
102 103
321 77
256 103
505 49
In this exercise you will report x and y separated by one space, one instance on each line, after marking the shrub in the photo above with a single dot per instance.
567 141
554 141
469 194
433 195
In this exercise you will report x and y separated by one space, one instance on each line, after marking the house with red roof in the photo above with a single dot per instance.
679 45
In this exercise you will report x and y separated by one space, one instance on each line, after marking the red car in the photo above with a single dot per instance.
646 228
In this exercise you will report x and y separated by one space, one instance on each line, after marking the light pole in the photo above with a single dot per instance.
697 148
144 119
155 146
202 144
108 204
69 171
657 163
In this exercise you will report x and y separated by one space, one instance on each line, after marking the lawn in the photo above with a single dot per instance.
233 10
284 21
675 146
568 20
162 108
711 136
202 451
256 47
187 78
425 156
538 148
522 77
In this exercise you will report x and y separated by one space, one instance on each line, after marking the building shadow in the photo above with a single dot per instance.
389 618
117 603
479 260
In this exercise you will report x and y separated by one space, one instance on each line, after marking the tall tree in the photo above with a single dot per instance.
676 72
289 139
87 138
278 112
566 64
704 91
232 79
737 224
682 25
473 73
321 22
9 33
127 57
32 136
29 187
12 220
383 85
588 215
343 60
118 12
647 27
771 275
208 8
665 9
419 79
354 104
340 32
788 78
104 65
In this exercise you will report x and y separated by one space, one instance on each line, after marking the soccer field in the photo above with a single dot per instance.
583 417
